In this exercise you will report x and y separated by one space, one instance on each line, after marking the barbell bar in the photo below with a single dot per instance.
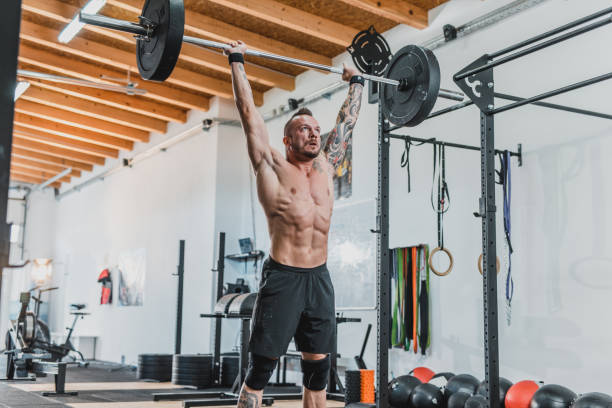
145 30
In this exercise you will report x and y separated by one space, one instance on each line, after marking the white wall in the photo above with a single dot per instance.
559 197
561 267
153 205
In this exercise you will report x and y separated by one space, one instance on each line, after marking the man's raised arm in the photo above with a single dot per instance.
340 136
258 141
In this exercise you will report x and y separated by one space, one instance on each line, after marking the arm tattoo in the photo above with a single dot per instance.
247 400
340 137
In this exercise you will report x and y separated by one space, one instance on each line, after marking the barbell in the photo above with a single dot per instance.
409 88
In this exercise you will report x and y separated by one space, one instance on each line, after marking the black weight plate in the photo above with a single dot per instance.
161 378
157 56
370 52
198 370
193 368
204 379
411 106
192 381
154 370
165 364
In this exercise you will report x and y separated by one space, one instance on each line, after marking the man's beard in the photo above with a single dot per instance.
306 153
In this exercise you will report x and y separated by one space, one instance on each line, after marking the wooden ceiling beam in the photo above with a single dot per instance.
32 180
85 70
64 142
210 28
45 175
57 151
131 103
80 121
106 54
63 12
46 158
293 18
400 11
93 109
59 129
36 165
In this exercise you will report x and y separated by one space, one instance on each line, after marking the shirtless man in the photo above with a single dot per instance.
296 297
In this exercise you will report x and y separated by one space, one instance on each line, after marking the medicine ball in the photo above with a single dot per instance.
553 396
476 401
422 373
504 386
427 396
520 394
457 400
461 383
593 400
440 379
400 389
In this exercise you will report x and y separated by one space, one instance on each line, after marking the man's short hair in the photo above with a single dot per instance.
301 111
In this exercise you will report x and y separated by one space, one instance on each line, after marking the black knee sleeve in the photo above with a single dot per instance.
316 373
259 372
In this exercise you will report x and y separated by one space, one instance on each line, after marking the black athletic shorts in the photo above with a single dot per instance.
293 302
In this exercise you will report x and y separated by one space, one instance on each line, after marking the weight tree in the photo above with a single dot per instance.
476 81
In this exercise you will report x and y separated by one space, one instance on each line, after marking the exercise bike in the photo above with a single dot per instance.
20 341
28 337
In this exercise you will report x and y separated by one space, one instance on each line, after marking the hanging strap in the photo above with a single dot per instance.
405 160
441 205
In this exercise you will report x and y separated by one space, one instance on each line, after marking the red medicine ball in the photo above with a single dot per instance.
520 394
422 373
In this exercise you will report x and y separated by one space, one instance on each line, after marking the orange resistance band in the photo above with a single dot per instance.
414 299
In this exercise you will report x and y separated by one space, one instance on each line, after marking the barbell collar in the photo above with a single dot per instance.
116 24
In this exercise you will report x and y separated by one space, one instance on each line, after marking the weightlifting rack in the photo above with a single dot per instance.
476 81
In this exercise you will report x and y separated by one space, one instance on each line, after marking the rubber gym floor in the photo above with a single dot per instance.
100 387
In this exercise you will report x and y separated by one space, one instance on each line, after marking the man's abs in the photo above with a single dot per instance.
298 209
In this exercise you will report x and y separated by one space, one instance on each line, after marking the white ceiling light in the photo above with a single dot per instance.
21 88
68 33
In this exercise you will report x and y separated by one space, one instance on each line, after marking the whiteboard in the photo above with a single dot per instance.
351 258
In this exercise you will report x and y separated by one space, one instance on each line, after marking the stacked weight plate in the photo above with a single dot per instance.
155 367
229 368
192 369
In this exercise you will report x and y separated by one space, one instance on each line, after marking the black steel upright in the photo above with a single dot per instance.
220 278
179 298
9 49
480 89
383 280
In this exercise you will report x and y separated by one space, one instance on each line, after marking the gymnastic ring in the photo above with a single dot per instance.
480 264
450 258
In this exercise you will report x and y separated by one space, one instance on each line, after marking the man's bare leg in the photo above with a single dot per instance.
314 399
249 398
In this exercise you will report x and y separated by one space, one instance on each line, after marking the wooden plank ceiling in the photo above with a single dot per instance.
59 126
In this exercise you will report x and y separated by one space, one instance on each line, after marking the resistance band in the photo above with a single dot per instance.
415 298
424 299
408 306
506 183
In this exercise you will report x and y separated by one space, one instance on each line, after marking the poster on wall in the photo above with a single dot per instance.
131 267
343 178
352 255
